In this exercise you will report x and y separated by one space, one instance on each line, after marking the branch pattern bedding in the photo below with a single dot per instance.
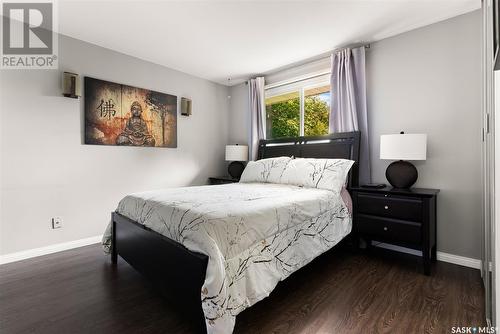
254 234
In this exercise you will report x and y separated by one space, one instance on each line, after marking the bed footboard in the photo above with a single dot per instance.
176 271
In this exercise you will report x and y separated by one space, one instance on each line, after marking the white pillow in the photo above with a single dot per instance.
265 170
329 174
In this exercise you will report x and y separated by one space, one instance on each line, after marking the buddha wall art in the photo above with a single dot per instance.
122 115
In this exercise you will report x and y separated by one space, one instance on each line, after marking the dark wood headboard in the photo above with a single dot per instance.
344 145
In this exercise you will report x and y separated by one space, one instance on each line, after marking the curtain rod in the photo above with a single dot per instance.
352 46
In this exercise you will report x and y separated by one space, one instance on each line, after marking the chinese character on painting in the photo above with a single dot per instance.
122 115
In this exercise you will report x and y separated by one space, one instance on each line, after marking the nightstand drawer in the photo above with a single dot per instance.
393 207
389 229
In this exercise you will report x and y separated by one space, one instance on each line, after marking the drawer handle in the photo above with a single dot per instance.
385 228
386 207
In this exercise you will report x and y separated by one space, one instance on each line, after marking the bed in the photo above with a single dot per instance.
216 250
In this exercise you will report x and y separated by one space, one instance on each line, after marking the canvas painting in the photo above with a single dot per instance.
122 115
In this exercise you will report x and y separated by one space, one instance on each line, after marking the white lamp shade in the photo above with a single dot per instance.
236 153
403 147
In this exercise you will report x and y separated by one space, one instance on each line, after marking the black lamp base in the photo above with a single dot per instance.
401 174
235 169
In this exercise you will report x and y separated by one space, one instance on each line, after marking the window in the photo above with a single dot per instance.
300 108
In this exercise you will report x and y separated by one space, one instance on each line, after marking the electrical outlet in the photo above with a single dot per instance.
56 222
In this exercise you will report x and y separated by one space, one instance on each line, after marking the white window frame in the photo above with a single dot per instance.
300 86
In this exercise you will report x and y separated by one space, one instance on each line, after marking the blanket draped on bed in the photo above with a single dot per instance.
254 234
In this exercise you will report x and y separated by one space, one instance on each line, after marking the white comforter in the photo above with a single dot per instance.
254 234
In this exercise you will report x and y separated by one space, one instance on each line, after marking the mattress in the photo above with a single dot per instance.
255 234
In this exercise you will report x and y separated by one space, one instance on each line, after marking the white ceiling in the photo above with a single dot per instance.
217 40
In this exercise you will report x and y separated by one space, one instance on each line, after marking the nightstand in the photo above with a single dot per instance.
222 180
404 217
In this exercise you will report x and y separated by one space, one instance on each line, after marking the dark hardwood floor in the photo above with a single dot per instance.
79 291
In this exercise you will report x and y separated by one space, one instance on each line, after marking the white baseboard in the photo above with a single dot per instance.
460 260
441 256
30 253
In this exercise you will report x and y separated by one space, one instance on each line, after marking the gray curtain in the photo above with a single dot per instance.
348 101
257 114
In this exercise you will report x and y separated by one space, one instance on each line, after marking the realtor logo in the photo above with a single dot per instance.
28 38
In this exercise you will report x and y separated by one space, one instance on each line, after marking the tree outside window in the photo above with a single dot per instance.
301 112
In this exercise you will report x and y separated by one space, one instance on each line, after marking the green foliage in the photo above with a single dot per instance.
316 116
283 118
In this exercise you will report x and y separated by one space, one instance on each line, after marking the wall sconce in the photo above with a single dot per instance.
71 85
186 105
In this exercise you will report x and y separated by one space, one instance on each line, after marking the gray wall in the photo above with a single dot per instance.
239 115
47 171
427 81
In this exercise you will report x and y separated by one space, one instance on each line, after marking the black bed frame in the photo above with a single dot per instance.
178 272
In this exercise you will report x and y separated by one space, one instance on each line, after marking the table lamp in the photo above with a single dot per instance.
402 147
236 154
